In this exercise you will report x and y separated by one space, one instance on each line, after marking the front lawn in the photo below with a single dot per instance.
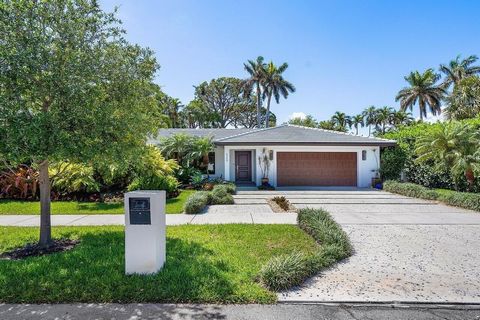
211 264
174 205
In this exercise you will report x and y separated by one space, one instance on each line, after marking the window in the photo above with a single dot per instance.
211 163
364 155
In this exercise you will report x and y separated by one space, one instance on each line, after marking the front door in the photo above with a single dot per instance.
243 166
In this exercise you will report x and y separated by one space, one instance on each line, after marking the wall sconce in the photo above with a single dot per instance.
364 155
270 155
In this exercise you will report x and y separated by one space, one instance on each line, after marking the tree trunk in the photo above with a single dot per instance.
267 117
259 118
470 177
356 130
45 225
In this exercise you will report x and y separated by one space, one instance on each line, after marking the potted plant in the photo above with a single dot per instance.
264 163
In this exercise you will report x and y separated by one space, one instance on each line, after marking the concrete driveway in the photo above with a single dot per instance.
406 249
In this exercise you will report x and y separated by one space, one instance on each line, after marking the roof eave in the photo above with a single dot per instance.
371 143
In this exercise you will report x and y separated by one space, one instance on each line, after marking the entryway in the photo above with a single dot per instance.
243 167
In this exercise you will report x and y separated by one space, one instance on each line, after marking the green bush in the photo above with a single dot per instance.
197 202
283 272
410 190
226 188
392 162
154 182
461 199
220 195
465 200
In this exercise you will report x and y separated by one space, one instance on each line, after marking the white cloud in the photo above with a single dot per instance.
295 115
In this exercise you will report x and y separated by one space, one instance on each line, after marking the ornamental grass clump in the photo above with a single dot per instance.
282 202
286 271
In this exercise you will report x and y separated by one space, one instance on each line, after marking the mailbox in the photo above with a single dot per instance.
145 231
139 210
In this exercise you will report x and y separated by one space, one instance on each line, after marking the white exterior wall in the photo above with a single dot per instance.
366 169
219 163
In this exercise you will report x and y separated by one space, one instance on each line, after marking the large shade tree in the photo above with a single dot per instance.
275 85
422 90
71 89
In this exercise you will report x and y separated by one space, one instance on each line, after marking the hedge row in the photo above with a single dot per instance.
454 198
286 271
221 194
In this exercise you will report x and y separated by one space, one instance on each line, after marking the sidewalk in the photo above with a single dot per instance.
254 214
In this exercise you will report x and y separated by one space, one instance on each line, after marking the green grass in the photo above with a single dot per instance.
7 207
210 264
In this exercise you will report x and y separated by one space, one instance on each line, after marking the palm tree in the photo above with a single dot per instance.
369 116
256 70
401 118
383 118
274 84
177 146
459 69
454 145
173 106
341 121
357 120
422 90
201 149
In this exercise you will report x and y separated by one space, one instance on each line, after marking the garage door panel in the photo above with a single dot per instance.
317 168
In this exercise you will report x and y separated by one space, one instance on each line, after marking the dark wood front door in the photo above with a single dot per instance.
243 166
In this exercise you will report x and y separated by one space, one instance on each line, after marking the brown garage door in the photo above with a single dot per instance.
317 168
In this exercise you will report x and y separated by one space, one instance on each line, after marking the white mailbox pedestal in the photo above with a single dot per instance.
145 231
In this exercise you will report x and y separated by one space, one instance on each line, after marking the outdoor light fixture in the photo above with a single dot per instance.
270 155
364 155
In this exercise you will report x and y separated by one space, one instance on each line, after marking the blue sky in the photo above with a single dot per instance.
342 55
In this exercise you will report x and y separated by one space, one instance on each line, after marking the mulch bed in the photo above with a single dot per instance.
277 209
34 250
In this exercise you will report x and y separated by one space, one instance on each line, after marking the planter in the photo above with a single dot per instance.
265 182
377 183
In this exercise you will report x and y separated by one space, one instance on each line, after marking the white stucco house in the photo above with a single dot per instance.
297 156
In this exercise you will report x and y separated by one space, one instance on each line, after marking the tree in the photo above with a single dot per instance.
172 109
357 120
328 125
202 147
177 146
383 118
422 90
369 116
401 118
256 70
459 69
222 96
71 89
453 145
308 121
464 102
274 84
341 121
196 114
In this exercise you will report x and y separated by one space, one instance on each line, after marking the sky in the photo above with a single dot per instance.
342 55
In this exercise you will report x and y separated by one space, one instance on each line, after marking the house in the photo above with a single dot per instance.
297 156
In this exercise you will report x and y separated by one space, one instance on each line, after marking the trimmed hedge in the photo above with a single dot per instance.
465 200
286 271
410 190
197 202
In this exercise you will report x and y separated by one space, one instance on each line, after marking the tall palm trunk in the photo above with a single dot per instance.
267 118
45 224
259 117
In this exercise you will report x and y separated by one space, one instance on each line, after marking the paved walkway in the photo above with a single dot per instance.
245 312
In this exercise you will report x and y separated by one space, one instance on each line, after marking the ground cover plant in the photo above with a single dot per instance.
285 271
210 264
467 200
9 207
220 194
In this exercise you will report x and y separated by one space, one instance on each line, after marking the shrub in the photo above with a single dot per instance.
227 188
21 183
461 199
392 162
154 182
282 202
220 195
197 202
73 177
410 190
285 271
